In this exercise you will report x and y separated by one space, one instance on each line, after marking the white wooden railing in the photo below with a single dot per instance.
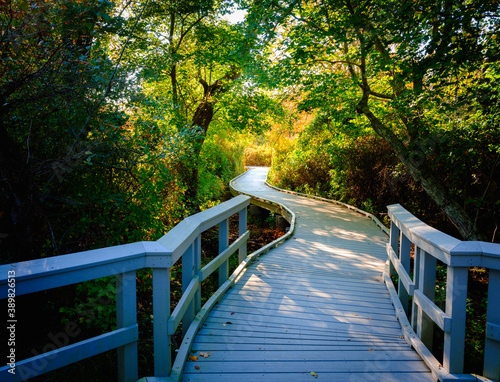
123 261
430 245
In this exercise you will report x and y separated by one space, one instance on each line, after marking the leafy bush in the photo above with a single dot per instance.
258 155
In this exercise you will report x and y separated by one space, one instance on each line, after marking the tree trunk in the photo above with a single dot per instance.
202 118
418 168
21 217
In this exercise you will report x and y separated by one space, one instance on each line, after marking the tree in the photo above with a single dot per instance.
52 71
399 72
195 58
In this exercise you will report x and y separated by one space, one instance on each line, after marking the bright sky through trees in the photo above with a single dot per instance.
237 16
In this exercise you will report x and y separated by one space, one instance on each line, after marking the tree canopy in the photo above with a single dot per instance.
133 111
417 73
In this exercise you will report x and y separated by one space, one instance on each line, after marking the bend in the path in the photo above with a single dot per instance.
315 306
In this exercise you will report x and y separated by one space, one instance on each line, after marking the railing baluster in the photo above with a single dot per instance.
126 315
191 264
161 314
416 279
394 240
223 244
492 346
456 302
197 267
188 271
404 257
427 284
242 228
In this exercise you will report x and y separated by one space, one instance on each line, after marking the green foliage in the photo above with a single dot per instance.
95 305
118 120
220 161
421 81
98 141
258 155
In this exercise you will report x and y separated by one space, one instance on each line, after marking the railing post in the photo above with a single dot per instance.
492 345
404 257
425 281
223 244
161 314
126 315
394 240
456 303
242 228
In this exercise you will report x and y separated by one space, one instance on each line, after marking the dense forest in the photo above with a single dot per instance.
119 119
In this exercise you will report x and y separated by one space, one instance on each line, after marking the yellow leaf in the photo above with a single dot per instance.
314 374
193 358
370 350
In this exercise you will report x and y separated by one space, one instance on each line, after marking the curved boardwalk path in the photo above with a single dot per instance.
314 307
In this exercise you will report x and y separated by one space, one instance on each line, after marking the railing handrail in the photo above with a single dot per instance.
145 254
444 247
122 261
431 245
370 216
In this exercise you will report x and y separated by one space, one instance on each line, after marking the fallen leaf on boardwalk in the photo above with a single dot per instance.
259 348
223 324
314 374
232 312
197 367
210 334
204 355
193 358
348 339
354 314
370 350
401 337
259 275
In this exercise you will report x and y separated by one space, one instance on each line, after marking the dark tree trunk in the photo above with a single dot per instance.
202 118
419 169
21 217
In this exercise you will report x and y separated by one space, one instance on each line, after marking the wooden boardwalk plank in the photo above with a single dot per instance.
319 366
317 303
306 376
315 355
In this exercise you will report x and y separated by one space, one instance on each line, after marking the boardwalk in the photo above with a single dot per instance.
313 308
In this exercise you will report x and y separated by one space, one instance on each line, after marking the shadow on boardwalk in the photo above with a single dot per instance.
315 307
